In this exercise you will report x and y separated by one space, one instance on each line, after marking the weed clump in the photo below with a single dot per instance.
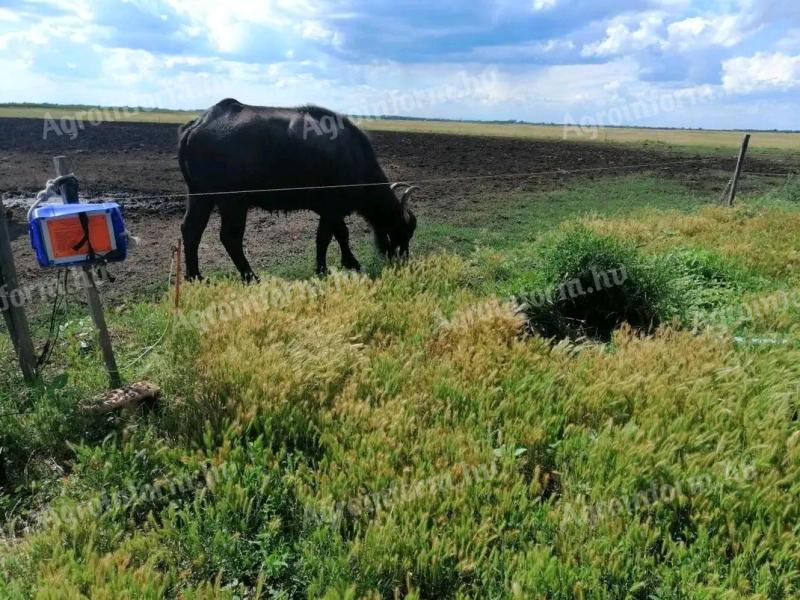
705 282
791 190
595 283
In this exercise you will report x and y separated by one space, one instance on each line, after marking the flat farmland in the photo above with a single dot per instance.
675 139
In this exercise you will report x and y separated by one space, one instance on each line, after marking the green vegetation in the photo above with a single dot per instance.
680 140
400 434
593 284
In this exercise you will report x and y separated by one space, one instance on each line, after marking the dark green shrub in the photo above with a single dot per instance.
595 284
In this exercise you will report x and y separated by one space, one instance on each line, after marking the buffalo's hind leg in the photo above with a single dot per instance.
324 237
349 261
198 211
231 234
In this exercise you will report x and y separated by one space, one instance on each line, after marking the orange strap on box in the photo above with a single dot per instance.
68 238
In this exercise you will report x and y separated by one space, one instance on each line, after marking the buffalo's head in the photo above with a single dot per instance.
394 240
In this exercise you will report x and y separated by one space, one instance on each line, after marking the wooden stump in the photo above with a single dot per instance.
126 398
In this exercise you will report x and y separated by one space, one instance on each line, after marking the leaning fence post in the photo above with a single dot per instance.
178 273
739 165
93 297
11 306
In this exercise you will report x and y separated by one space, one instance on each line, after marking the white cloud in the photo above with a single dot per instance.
8 16
229 25
725 31
761 72
129 67
519 90
29 32
315 30
623 36
79 8
27 83
544 4
627 34
23 39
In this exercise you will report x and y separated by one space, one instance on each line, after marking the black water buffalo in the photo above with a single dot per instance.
233 148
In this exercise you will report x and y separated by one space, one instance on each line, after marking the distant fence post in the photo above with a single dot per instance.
12 307
739 165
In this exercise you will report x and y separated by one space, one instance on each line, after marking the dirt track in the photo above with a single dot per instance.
134 159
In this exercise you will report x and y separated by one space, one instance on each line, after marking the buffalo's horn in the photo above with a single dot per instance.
407 194
399 184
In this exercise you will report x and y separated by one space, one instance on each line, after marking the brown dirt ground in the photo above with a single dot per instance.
135 159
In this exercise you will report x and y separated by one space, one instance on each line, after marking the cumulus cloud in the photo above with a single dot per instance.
761 72
316 30
623 36
230 25
544 4
8 15
129 67
724 30
627 33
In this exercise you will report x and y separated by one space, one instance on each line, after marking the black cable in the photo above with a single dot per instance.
46 351
55 328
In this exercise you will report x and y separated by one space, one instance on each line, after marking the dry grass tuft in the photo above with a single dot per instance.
763 239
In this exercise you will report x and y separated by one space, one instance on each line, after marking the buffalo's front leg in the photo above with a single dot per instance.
324 237
234 220
198 211
349 261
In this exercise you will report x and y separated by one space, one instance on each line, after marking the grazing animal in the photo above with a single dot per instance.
233 148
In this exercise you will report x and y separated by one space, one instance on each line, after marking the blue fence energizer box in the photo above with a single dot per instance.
66 235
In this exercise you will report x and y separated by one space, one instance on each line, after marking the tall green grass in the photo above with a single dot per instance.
402 435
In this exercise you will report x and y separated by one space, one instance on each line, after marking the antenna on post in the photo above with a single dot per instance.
69 187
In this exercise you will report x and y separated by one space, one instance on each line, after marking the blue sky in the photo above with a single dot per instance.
702 63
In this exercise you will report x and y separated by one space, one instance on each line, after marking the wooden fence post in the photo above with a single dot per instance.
739 165
178 273
95 305
12 308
